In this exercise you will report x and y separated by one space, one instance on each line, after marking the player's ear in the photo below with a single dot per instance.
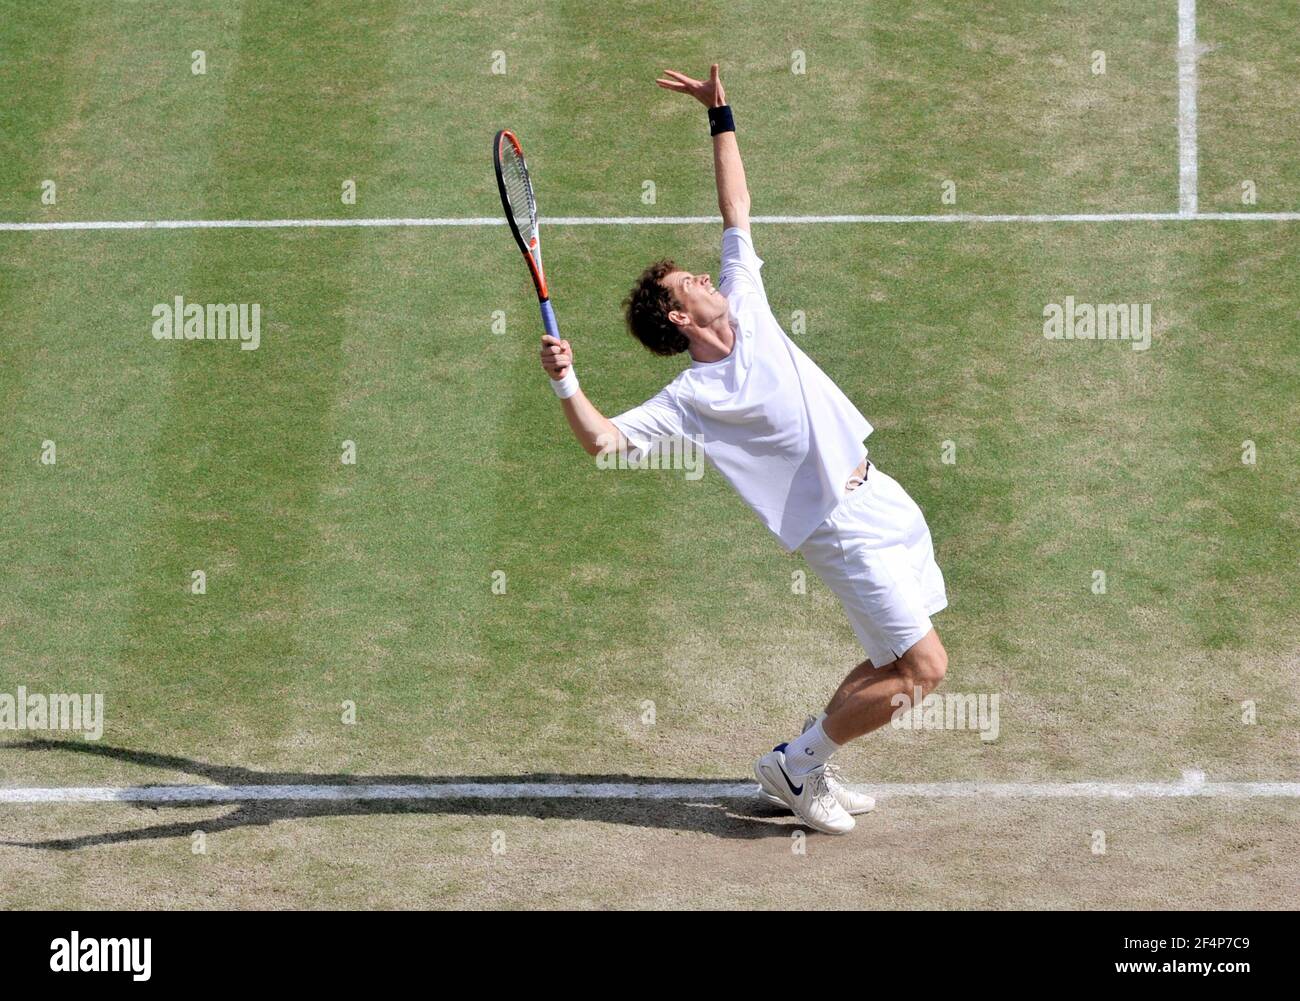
678 318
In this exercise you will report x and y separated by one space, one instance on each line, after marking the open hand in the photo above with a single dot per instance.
707 92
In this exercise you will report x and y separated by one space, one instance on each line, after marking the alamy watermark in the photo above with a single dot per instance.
214 321
678 451
57 711
75 954
1105 321
949 711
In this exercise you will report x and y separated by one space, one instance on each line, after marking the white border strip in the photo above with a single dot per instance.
470 221
1187 151
1193 784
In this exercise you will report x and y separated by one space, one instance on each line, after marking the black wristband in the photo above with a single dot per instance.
720 120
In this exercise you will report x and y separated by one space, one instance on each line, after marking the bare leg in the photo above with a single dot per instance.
863 701
858 677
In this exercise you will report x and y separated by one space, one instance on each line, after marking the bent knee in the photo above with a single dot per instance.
924 665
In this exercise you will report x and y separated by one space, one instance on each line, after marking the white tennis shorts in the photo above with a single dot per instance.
875 553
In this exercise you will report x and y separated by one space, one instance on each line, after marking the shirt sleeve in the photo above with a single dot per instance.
740 264
658 417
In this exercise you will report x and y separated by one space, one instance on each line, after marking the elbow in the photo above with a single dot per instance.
605 441
734 210
598 445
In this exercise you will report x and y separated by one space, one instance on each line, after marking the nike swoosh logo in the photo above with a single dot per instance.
798 791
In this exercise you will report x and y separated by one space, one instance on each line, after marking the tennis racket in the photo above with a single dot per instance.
521 213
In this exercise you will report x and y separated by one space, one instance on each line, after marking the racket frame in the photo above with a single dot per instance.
529 245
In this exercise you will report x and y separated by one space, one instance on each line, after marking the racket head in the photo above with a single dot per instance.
520 204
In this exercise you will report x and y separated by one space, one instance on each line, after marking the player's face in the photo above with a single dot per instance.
699 299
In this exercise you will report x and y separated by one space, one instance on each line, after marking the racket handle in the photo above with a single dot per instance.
548 319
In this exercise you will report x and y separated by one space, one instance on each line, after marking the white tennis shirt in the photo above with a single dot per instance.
770 421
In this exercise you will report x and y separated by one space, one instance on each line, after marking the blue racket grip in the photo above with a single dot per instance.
548 319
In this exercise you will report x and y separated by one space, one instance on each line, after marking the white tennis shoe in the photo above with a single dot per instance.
808 795
854 803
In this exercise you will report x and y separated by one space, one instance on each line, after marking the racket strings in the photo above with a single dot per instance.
519 191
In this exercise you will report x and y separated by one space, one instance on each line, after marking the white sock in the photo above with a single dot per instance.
809 750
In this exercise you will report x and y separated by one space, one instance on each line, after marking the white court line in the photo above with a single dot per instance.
472 221
1192 784
1187 152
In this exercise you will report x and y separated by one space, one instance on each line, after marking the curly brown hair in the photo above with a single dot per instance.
647 307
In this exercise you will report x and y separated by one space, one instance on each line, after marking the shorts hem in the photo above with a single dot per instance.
936 605
901 645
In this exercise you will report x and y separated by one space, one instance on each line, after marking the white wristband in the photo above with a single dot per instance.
566 387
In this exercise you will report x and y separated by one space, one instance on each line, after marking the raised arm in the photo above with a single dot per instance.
733 194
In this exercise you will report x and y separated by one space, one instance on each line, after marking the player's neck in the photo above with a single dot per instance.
714 342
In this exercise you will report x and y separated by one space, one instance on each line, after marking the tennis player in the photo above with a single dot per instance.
791 444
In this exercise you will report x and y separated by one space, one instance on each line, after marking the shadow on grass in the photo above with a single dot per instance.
744 818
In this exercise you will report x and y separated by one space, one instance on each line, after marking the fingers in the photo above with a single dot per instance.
556 356
672 85
683 78
713 74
